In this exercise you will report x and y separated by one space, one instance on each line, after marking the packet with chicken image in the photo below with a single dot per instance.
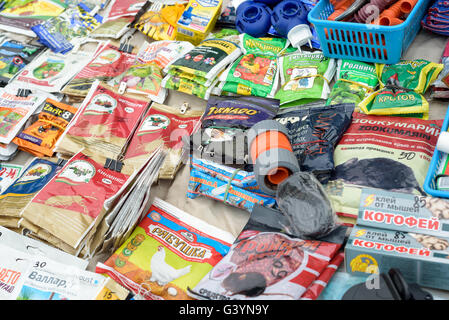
41 136
73 202
168 252
105 122
162 125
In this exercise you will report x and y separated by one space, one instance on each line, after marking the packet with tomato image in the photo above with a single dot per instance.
41 136
73 202
50 71
167 253
265 262
107 63
256 71
164 126
105 122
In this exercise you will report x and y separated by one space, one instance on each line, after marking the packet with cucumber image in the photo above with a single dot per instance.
354 80
304 78
167 253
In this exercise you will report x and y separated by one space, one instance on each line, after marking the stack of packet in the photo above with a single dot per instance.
32 270
402 88
196 72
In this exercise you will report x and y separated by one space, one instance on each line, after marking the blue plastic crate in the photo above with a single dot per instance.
365 42
429 183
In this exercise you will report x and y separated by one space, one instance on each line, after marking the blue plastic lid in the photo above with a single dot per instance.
253 18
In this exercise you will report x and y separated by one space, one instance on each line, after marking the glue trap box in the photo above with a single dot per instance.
198 20
422 259
404 212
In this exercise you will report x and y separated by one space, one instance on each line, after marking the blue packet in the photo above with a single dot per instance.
58 33
203 184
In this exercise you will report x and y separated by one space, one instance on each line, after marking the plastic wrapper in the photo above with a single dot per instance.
19 16
63 32
33 178
123 8
105 122
8 151
304 77
113 29
202 184
265 263
107 63
167 253
303 201
389 153
314 132
14 56
238 112
162 126
8 174
440 89
49 72
15 112
41 136
76 199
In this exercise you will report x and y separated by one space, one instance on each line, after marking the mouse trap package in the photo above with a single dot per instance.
168 252
265 262
422 258
74 201
382 152
104 123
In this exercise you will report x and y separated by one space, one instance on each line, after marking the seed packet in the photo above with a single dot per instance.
167 253
416 75
72 202
14 56
305 77
33 178
13 273
314 133
158 20
266 263
8 174
208 59
15 111
18 16
203 184
163 53
40 137
238 112
440 89
49 72
36 248
107 63
142 79
395 101
381 152
113 29
162 125
256 71
355 80
188 86
105 122
62 32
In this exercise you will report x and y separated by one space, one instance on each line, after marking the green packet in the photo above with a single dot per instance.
396 102
181 74
416 75
305 77
187 86
355 80
256 71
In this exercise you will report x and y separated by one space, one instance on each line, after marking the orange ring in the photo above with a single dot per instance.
269 140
